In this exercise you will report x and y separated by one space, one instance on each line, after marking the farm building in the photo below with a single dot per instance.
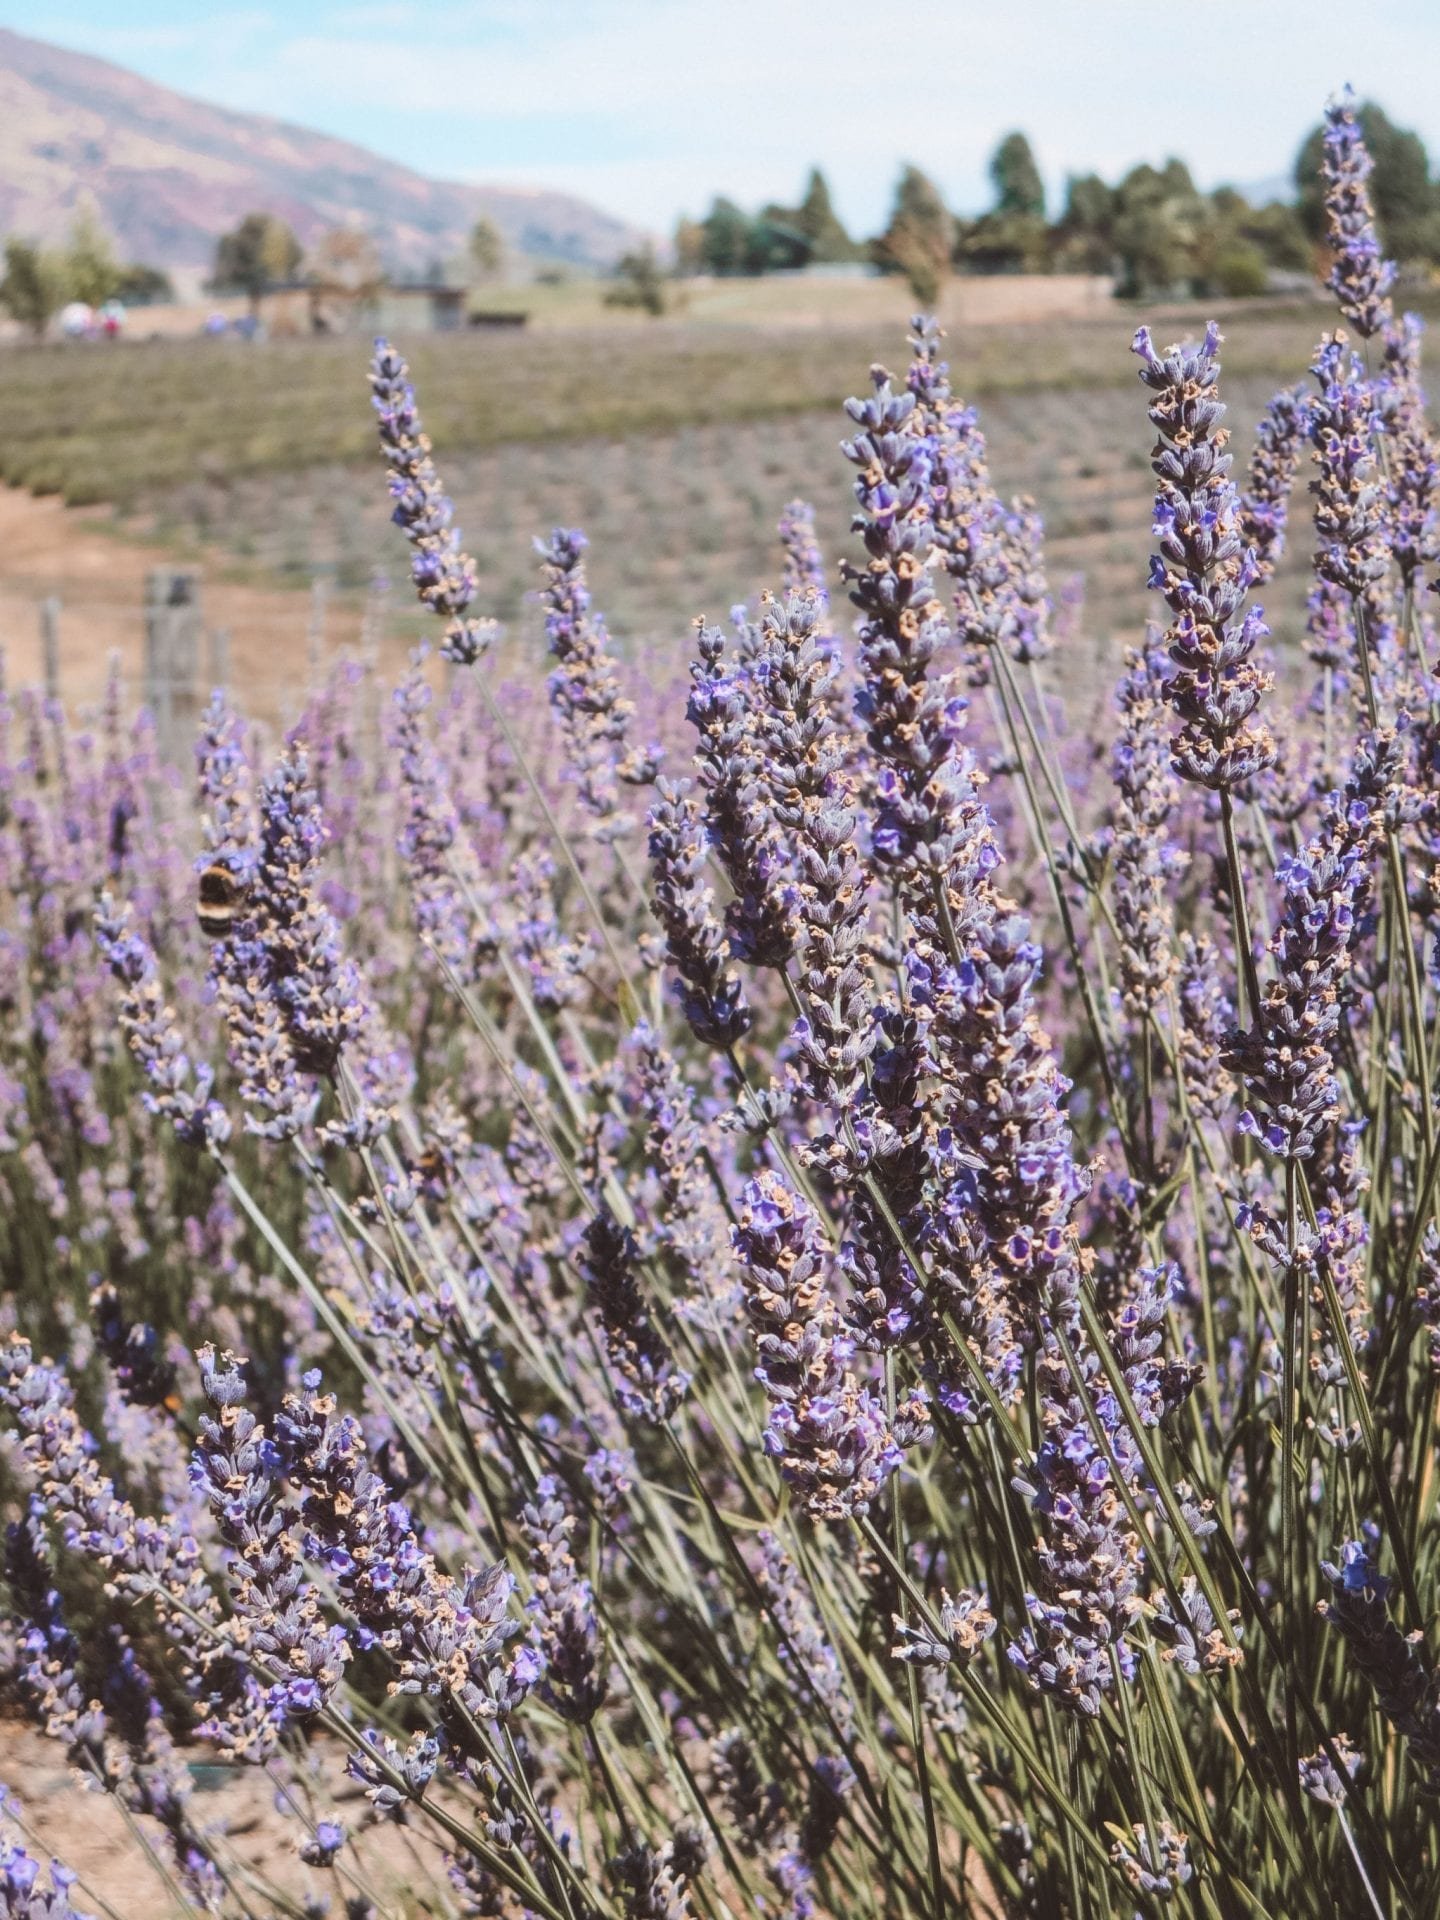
422 307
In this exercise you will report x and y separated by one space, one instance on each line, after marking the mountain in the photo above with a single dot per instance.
169 174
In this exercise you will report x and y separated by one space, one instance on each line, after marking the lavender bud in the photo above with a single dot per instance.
648 1384
443 574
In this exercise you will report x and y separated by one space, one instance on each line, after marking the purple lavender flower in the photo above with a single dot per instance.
1146 861
1348 498
175 1088
655 1886
1286 1058
648 1384
828 1433
584 688
324 1844
805 1649
292 1652
1156 1864
443 574
225 788
562 1607
969 525
145 1561
928 828
1204 571
48 1654
813 800
1360 276
689 1222
1319 1777
1265 504
445 1636
317 989
24 1897
430 841
966 1623
760 919
711 994
804 569
1405 1684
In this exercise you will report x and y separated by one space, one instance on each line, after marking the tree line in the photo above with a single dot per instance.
1154 230
38 281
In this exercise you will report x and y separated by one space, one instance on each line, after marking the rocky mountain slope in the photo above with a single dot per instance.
169 174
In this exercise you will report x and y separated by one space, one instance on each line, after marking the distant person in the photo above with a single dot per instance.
77 321
217 324
112 319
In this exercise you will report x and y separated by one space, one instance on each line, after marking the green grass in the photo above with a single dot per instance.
117 424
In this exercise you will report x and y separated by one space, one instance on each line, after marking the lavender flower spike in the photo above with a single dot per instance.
1204 571
22 1897
711 994
804 562
1406 1686
828 1433
648 1384
562 1607
175 1089
584 689
444 576
1360 276
291 1652
1265 507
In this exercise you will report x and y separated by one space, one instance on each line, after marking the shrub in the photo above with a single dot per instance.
734 1413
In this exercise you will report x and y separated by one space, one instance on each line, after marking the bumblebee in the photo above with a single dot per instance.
221 900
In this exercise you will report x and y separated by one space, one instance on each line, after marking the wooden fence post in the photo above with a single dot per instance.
173 629
218 664
50 645
315 633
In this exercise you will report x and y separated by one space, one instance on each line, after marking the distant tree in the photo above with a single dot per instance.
140 286
1018 186
1084 239
344 272
727 237
1407 200
487 250
33 288
262 252
816 218
920 236
91 271
689 245
638 283
1277 230
1160 219
775 241
1013 237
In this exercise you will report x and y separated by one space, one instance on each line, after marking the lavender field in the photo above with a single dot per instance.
788 1265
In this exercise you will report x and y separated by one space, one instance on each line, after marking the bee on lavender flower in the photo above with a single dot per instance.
221 899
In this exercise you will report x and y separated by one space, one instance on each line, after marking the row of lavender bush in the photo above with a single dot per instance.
642 1341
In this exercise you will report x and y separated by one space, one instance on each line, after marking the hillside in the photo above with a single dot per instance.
169 174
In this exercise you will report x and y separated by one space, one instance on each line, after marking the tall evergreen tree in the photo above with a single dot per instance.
920 237
817 219
1016 178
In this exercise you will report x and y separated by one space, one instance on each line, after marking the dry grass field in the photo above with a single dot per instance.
674 445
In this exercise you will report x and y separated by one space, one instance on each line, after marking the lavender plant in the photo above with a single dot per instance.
876 1353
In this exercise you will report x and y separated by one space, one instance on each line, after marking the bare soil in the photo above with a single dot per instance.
47 548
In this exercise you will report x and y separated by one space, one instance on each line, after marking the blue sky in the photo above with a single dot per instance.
650 106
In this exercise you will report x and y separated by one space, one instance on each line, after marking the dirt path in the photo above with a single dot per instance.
47 548
236 1807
